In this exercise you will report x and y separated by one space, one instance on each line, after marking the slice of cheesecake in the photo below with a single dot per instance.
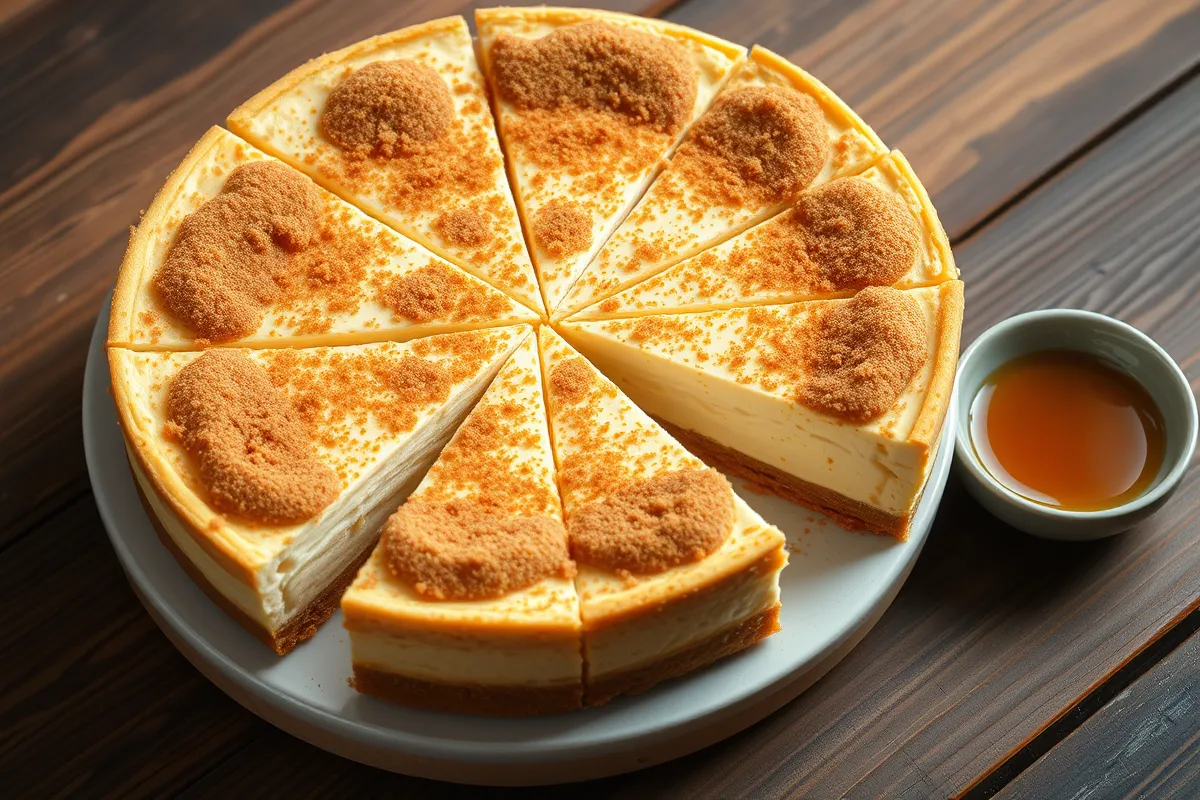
773 132
468 603
674 570
399 125
269 473
239 248
589 102
877 228
836 404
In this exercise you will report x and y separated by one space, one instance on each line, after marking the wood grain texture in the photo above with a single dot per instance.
995 633
76 173
1146 743
94 700
983 96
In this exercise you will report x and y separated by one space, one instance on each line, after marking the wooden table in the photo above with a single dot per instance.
1061 144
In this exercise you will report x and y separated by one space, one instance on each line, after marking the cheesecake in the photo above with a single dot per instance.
240 249
773 132
589 103
876 228
834 404
269 473
399 125
675 571
468 603
463 337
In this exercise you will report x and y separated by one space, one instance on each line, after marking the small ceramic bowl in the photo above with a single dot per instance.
1118 344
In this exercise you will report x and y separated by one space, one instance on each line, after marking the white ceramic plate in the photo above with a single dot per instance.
837 586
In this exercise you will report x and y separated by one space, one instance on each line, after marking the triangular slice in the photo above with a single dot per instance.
876 228
269 473
239 248
467 605
836 404
399 125
772 132
589 102
675 571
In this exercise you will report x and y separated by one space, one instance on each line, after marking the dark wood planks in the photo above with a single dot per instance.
69 193
94 700
1145 743
982 96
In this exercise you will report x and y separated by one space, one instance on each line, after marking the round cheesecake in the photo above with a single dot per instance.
462 336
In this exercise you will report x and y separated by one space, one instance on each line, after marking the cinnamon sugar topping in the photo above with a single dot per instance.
571 381
653 524
254 451
440 292
756 145
863 353
464 227
562 228
597 66
386 107
856 234
219 277
464 550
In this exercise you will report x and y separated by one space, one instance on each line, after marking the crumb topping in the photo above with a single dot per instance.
219 276
463 550
355 399
651 525
572 380
387 107
856 234
253 449
464 227
840 237
562 228
864 353
438 292
598 66
756 145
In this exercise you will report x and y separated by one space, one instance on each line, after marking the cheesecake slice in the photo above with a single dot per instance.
269 473
835 404
773 132
468 603
674 570
876 228
240 249
399 125
589 103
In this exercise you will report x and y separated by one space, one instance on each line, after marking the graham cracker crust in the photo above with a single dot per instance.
302 626
724 643
460 698
850 514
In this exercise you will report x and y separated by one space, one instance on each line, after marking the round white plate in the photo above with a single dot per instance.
836 587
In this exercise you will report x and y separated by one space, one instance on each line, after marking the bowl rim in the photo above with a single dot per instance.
1071 316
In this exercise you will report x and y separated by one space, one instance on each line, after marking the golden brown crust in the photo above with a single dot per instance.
833 105
459 698
141 238
554 15
302 626
243 116
928 426
850 514
929 216
696 656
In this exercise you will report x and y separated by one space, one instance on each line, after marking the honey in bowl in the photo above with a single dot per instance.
1067 430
